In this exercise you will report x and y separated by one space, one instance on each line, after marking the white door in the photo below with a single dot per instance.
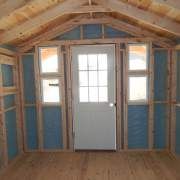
94 111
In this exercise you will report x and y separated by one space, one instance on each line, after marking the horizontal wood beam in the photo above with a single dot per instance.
172 3
7 52
63 8
141 15
7 60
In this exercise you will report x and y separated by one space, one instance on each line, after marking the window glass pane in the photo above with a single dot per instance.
49 59
50 90
103 96
102 61
102 78
137 88
137 57
83 94
92 78
93 94
82 59
83 78
92 61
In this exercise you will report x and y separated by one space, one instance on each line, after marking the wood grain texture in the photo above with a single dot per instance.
94 166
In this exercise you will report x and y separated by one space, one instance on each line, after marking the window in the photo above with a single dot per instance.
50 82
49 59
93 77
138 72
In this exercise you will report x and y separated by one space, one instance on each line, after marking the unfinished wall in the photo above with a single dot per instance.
10 119
51 134
177 130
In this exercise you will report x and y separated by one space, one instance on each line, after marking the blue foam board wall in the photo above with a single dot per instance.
92 31
7 75
31 128
160 119
138 126
160 75
29 79
11 130
9 101
52 128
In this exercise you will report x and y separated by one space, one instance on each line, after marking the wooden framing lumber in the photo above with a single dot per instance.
141 15
7 60
171 3
65 7
7 52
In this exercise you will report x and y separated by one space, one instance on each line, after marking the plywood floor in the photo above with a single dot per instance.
95 166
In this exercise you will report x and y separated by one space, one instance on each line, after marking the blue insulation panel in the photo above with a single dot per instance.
138 126
52 122
160 119
160 75
11 130
9 101
28 73
178 130
7 75
110 32
178 77
31 128
71 35
92 31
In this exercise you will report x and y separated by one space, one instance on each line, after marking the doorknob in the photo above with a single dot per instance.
112 104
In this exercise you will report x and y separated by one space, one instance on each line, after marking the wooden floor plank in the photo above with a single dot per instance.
95 166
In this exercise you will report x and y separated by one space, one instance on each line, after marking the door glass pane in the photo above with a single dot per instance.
50 89
137 88
102 78
92 78
103 95
49 59
83 78
137 57
83 94
82 59
102 61
92 61
93 94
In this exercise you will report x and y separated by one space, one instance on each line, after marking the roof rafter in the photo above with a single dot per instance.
11 5
172 3
65 7
145 17
83 19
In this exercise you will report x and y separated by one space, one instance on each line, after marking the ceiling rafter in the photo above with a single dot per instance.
65 7
83 19
11 6
141 15
171 3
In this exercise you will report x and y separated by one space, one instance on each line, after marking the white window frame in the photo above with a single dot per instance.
51 75
138 73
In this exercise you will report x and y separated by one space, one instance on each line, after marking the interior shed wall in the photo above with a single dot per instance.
138 115
10 126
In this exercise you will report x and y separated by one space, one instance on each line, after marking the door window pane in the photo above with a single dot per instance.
83 94
83 78
137 57
93 94
137 88
92 61
102 78
92 78
50 88
49 59
82 59
102 62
